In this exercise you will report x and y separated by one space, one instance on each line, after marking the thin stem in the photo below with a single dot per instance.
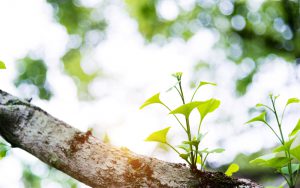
204 161
182 96
282 114
199 126
274 132
287 152
175 117
194 93
178 92
190 139
173 148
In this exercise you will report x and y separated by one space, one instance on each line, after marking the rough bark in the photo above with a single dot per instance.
91 161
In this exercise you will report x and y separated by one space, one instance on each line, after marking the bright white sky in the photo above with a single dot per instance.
135 71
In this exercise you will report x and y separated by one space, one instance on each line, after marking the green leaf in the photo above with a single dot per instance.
296 129
275 160
199 159
185 147
193 142
202 83
152 100
217 150
159 136
208 106
232 169
2 65
177 75
295 148
185 156
284 147
261 117
292 100
285 170
3 150
186 109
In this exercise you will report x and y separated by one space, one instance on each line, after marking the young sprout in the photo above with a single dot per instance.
189 150
285 159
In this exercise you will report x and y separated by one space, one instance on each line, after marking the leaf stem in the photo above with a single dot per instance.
175 117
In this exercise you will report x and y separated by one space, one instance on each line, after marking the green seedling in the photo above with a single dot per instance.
285 158
189 150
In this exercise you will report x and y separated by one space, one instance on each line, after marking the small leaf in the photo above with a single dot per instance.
208 106
199 159
232 169
193 142
296 129
152 100
284 147
295 149
159 136
285 170
177 75
3 150
185 147
217 150
185 109
292 100
202 83
261 117
2 65
185 156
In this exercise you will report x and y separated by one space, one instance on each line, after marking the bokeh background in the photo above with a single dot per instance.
92 63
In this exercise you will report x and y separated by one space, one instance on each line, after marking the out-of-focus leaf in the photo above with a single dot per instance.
284 147
295 150
275 160
292 100
72 66
3 150
159 136
285 170
33 72
233 168
2 65
296 129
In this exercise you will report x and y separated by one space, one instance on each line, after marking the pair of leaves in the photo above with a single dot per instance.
204 107
2 65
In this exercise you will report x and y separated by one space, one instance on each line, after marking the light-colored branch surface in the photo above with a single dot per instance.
86 158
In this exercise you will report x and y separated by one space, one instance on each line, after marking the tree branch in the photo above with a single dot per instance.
90 161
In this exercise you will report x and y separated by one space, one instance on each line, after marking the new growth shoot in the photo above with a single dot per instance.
189 150
286 157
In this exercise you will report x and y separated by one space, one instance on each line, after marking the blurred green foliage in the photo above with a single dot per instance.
84 24
33 72
31 179
244 31
72 67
